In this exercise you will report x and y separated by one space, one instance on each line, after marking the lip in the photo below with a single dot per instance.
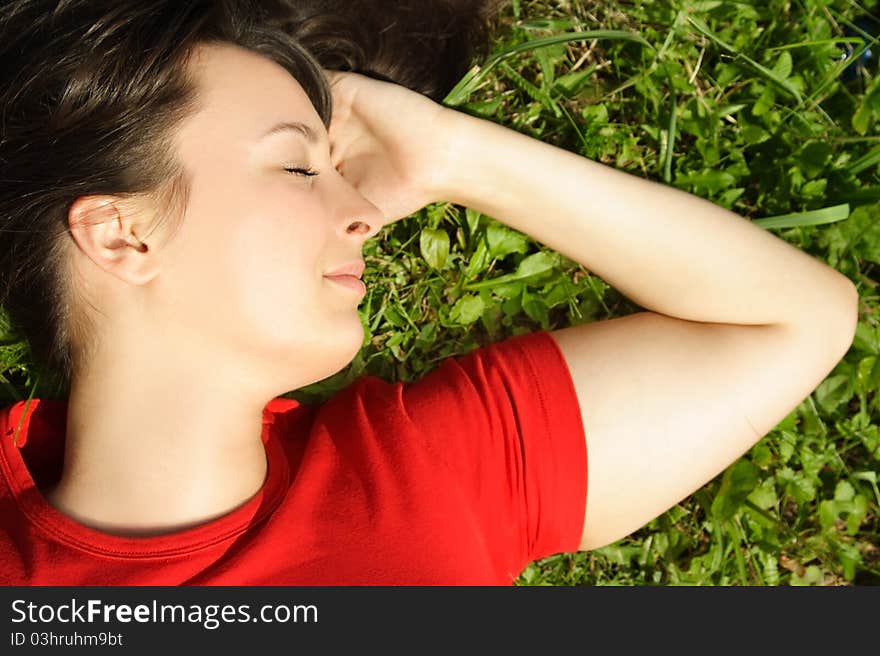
351 282
354 269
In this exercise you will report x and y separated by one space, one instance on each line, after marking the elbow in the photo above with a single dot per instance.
830 325
839 319
849 313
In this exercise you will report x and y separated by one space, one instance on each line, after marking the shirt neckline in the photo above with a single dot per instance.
49 417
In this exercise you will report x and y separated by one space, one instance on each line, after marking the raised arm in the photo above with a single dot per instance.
740 327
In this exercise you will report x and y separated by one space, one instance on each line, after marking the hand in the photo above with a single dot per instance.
388 141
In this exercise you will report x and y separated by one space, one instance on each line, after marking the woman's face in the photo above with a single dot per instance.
246 270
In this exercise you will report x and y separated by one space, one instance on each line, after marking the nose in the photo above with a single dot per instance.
358 216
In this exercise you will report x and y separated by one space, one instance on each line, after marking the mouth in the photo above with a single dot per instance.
350 282
355 268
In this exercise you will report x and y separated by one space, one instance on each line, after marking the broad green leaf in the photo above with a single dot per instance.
395 339
862 232
850 557
434 246
852 510
427 336
737 483
844 491
533 266
827 514
485 109
833 391
856 515
595 115
765 102
782 68
508 290
535 307
479 261
813 158
812 576
467 310
764 495
547 58
861 119
503 241
473 221
761 455
559 292
537 264
867 375
728 197
394 317
814 188
513 305
771 569
801 489
572 83
710 180
729 110
867 338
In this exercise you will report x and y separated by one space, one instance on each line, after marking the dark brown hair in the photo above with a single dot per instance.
91 91
425 45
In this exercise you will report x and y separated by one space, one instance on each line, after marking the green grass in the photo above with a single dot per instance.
737 102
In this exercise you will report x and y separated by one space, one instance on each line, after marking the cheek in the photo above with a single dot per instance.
254 259
275 257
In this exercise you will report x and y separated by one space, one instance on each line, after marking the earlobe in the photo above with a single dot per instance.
103 229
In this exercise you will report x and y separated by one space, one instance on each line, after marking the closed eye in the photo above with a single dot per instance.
307 172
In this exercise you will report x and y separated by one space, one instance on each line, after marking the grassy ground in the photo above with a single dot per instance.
738 102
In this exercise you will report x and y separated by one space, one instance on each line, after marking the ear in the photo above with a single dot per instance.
104 229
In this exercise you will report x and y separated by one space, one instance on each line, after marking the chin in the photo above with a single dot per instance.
312 353
342 343
353 342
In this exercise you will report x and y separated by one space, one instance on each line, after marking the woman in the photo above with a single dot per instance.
183 213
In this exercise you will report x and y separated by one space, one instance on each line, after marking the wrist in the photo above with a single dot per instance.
454 135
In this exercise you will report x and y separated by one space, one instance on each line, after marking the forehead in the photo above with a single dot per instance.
245 93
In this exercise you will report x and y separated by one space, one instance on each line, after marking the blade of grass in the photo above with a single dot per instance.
831 214
868 160
25 411
818 42
535 93
670 139
472 79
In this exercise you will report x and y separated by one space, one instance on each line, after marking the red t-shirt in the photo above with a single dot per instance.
463 477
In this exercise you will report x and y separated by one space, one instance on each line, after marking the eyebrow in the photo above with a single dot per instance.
310 133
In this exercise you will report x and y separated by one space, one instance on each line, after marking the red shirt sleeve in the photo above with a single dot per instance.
505 421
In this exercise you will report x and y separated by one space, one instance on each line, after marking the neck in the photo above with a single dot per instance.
157 448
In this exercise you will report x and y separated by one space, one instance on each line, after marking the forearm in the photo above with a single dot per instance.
669 251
